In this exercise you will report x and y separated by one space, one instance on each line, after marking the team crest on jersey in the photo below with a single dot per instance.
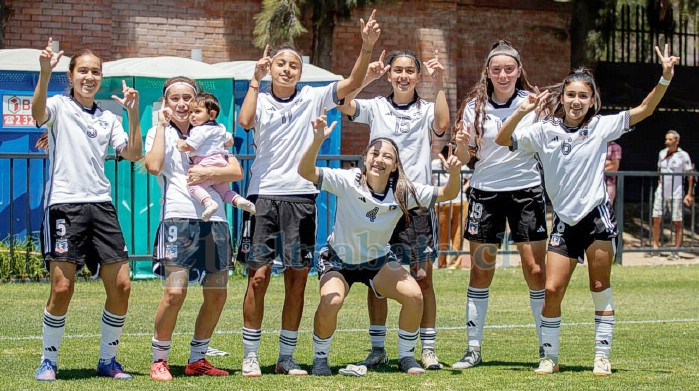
555 240
473 228
393 207
91 132
61 246
245 246
170 251
372 214
582 134
566 146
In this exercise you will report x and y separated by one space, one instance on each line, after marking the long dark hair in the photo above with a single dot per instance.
398 181
554 104
483 90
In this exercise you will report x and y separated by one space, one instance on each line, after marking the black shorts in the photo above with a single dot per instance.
329 261
413 243
572 241
283 226
84 234
524 210
203 247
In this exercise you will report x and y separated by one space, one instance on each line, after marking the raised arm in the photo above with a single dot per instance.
246 117
450 189
134 148
462 137
504 136
155 158
375 70
47 61
646 108
370 34
321 131
441 106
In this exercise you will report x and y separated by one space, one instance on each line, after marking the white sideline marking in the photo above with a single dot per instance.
500 326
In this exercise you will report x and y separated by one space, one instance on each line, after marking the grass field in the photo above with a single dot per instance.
656 339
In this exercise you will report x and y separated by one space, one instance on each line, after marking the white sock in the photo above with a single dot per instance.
550 335
536 301
406 343
197 349
112 326
251 341
377 335
287 342
428 337
476 309
604 328
321 346
53 327
160 349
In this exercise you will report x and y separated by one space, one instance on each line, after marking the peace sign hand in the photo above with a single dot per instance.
434 68
130 99
533 100
377 69
263 65
370 30
164 114
48 59
668 61
321 130
452 164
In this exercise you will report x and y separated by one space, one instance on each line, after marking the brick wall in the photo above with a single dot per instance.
462 31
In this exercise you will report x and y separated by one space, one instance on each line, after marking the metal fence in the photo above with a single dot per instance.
22 179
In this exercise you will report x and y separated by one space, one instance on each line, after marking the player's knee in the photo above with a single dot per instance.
216 298
123 289
174 298
554 292
412 298
330 303
62 291
259 282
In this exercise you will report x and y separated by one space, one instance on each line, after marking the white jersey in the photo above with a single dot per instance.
409 126
176 201
363 223
208 139
79 142
678 162
573 160
282 133
498 169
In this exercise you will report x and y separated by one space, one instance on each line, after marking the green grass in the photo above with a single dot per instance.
647 354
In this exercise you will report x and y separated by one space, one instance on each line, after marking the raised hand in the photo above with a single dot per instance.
164 114
668 61
434 68
321 130
377 69
463 135
263 65
130 99
452 164
48 59
533 100
370 30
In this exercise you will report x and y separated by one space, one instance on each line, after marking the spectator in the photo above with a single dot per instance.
612 164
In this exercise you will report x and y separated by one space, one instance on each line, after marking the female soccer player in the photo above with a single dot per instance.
572 144
186 248
369 204
80 223
285 220
505 187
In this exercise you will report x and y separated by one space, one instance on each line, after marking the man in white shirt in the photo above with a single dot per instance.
668 195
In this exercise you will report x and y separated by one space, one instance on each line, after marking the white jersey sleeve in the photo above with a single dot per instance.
529 138
336 180
426 196
364 111
119 138
613 126
52 109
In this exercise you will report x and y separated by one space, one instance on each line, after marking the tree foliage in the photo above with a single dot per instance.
278 22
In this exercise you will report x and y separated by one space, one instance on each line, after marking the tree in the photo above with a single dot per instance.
4 16
277 23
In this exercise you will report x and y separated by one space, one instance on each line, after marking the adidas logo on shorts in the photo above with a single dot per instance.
541 229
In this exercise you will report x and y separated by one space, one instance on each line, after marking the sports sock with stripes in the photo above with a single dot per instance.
550 335
160 349
53 327
321 346
604 328
251 340
377 335
197 349
536 301
112 326
406 343
287 342
476 309
428 337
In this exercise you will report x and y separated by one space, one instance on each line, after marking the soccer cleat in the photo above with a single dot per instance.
410 366
213 352
242 203
430 360
602 366
470 359
210 207
160 371
203 367
547 366
353 370
112 369
46 371
251 366
376 357
287 366
321 367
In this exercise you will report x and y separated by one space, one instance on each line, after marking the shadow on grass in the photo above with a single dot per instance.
89 373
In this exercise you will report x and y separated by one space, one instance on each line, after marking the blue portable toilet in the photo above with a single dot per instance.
22 180
137 195
311 75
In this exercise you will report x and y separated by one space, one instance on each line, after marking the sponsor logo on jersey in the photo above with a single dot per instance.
361 198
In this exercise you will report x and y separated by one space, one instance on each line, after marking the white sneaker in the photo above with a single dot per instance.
251 366
209 209
547 366
602 366
246 205
470 359
430 360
